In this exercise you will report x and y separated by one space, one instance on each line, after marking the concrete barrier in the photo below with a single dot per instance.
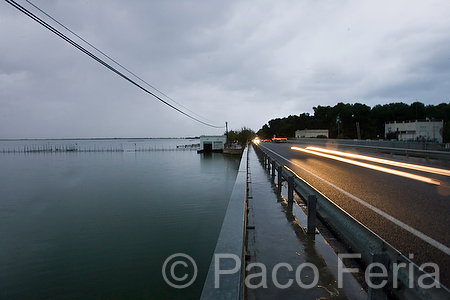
230 244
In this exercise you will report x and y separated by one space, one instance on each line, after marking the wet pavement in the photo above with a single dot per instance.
282 260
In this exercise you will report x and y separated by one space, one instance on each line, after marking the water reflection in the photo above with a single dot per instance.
100 225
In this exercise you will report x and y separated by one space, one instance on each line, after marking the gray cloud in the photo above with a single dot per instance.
244 62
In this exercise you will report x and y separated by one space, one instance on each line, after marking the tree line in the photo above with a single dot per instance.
342 120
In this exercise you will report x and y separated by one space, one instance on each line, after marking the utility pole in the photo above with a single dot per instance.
434 136
226 131
358 130
338 122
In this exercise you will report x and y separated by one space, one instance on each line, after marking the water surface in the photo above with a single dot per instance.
99 225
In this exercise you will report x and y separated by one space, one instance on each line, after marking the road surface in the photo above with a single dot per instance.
413 213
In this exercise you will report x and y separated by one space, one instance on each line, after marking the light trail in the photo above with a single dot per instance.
385 161
397 222
369 166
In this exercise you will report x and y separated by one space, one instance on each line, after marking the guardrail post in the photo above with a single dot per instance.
380 263
280 178
273 169
311 227
290 192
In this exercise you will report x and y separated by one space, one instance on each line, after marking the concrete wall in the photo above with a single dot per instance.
231 241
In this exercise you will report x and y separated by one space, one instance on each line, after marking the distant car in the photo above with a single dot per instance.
279 140
265 141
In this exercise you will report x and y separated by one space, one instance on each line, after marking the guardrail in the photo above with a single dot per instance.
428 154
231 242
416 149
406 279
427 146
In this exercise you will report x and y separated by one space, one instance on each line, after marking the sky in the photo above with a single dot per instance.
238 61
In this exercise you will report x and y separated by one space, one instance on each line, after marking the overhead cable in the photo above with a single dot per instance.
113 60
96 58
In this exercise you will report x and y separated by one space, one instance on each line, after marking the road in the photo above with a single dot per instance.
414 215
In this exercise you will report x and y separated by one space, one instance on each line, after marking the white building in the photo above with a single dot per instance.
210 143
421 130
311 133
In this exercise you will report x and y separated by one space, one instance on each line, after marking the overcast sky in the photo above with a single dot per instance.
244 62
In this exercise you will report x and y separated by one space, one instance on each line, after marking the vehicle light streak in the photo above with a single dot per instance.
369 166
385 161
397 222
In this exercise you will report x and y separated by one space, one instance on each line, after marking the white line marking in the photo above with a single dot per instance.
404 226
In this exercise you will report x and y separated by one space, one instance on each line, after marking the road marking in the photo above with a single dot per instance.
397 222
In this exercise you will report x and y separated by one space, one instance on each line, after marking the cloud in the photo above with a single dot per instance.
244 62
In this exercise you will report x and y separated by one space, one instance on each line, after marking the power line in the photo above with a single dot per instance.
96 58
117 63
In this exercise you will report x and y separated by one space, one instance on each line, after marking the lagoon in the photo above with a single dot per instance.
99 225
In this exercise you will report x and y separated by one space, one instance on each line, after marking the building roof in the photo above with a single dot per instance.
413 121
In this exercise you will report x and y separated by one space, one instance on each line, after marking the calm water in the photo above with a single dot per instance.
99 225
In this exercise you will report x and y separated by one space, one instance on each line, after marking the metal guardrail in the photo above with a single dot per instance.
428 154
426 146
364 241
231 241
423 150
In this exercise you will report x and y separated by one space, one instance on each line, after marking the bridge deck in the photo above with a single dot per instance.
278 237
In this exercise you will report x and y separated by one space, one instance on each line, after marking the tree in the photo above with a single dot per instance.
418 111
445 132
242 136
264 132
380 114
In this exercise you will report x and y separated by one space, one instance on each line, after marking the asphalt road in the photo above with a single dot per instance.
423 206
